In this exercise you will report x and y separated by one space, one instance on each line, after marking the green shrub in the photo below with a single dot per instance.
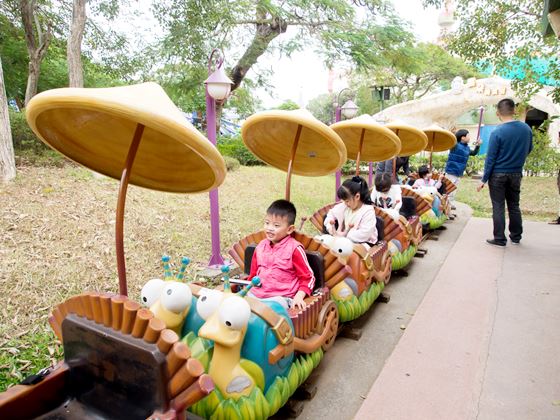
438 161
235 148
231 163
475 165
23 136
543 159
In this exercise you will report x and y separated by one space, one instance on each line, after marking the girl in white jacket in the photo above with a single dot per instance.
353 218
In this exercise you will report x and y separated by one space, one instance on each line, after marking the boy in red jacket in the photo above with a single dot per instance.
280 261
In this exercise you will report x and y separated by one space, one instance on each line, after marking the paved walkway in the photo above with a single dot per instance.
485 341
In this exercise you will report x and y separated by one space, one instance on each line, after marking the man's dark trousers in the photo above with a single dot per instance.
505 188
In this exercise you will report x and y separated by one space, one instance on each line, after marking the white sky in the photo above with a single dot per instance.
303 76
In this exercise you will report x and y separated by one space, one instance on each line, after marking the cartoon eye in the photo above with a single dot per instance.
176 297
234 313
208 302
151 291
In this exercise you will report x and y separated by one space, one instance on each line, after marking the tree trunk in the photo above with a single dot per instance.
74 48
33 71
37 43
264 35
7 160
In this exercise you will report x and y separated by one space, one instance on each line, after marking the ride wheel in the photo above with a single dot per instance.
331 325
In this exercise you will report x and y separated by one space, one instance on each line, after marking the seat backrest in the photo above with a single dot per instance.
101 377
380 225
315 258
408 208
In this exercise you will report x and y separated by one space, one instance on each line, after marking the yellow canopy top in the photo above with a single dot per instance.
95 127
439 139
412 139
270 135
379 142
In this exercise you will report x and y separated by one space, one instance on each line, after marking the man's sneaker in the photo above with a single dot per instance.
494 242
515 242
453 207
555 222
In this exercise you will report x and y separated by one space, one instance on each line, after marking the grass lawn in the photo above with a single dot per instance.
58 227
539 198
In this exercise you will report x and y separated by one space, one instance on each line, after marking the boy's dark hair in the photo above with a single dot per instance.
506 107
459 134
351 187
283 208
423 171
383 182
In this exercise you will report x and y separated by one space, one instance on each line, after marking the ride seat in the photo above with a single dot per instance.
408 208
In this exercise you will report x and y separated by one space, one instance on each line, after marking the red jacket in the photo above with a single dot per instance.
283 269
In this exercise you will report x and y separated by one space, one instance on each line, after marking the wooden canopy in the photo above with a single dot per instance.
412 139
439 139
281 138
95 128
367 140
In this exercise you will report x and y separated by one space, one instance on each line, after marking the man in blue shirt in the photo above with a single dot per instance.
508 148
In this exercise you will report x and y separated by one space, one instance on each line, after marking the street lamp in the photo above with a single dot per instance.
349 111
383 92
218 87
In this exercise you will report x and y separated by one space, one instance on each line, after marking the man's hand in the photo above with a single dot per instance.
480 186
298 302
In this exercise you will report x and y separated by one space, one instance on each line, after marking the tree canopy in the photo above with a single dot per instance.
506 35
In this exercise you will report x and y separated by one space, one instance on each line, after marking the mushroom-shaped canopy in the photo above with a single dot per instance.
379 143
412 139
95 128
439 139
270 135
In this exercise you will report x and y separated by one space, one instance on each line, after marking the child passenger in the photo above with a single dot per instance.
354 218
280 261
425 179
387 196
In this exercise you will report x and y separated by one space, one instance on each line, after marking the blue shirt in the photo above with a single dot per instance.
508 148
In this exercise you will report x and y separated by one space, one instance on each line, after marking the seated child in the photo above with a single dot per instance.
280 261
354 218
425 184
387 196
425 179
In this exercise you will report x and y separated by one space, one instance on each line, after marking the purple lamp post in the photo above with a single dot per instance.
348 111
218 86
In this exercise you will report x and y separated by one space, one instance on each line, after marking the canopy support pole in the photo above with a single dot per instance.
432 150
360 152
291 163
119 225
394 176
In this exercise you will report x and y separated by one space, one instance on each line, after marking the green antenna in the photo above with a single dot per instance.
166 269
254 282
225 270
184 262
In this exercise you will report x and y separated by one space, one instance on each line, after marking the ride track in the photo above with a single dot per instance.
124 361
